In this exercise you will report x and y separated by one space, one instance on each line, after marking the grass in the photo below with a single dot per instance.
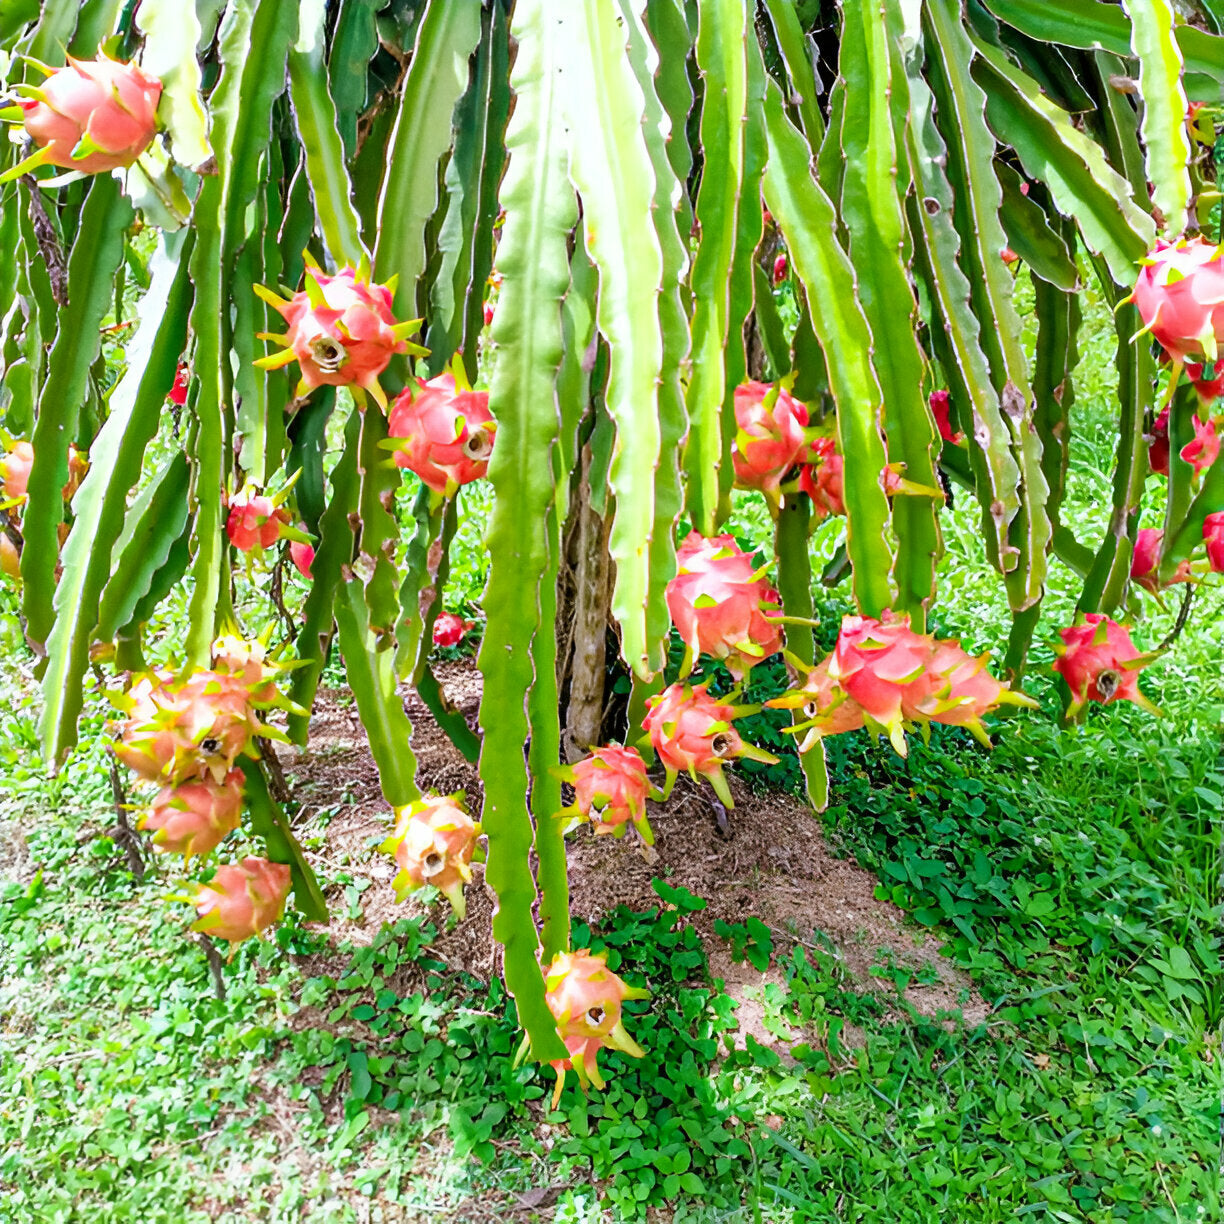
1073 873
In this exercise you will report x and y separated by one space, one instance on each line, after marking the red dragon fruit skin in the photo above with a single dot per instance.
941 409
1099 662
768 440
193 817
719 603
241 900
585 998
1213 538
102 111
302 555
610 790
254 521
1158 446
449 629
341 331
15 468
1146 558
442 433
433 843
1180 298
1204 448
821 478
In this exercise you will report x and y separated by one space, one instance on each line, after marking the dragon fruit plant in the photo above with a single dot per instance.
92 116
433 843
610 790
1099 662
443 432
883 676
585 998
721 604
241 900
692 733
341 331
771 432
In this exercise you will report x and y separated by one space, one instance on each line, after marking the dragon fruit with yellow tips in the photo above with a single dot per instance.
770 436
586 998
610 790
692 733
433 843
241 900
193 817
1099 662
1179 295
721 604
341 331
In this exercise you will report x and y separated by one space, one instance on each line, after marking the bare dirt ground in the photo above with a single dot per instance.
770 861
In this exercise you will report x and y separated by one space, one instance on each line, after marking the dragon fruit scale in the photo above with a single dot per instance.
720 604
443 433
1099 662
241 900
254 521
449 629
770 436
610 790
341 331
433 843
821 478
585 998
1213 538
93 116
192 818
1179 295
1146 559
691 731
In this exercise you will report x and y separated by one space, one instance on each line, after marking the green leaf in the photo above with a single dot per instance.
116 456
798 54
95 256
806 218
354 44
171 33
540 212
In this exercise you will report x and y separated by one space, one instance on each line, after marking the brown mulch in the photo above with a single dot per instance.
769 859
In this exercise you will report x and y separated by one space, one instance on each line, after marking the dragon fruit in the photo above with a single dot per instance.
941 410
1204 448
179 729
10 558
177 394
610 790
341 332
91 115
433 843
302 555
691 731
443 433
770 436
241 899
780 270
1099 662
821 478
585 998
254 521
449 629
1146 558
193 818
1158 444
1213 538
15 469
1208 382
1180 298
719 603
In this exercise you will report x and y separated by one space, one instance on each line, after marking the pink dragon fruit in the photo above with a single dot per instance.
691 731
585 998
302 555
1158 445
433 843
1100 663
1180 298
443 433
719 604
241 899
449 629
610 790
181 729
769 438
1213 538
254 521
193 818
1204 448
341 332
10 558
941 410
91 115
1146 558
15 468
821 478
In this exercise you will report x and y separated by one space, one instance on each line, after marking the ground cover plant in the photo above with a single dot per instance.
732 379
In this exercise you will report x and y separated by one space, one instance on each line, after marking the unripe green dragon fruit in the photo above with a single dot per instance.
692 731
433 843
585 998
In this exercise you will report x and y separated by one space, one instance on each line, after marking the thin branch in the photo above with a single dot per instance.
48 243
1183 615
123 834
214 965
